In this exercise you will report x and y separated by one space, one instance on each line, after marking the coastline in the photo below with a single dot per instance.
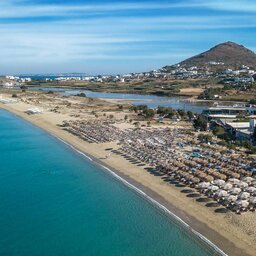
139 189
201 226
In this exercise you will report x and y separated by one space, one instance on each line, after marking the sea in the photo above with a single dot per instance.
56 202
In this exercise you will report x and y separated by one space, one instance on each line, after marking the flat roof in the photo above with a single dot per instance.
227 108
239 125
223 116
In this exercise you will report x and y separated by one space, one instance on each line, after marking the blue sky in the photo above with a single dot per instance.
109 37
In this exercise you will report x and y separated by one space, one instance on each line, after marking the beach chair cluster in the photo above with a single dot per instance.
94 131
224 176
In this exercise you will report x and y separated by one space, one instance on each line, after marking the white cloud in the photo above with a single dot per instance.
14 9
18 9
229 5
110 37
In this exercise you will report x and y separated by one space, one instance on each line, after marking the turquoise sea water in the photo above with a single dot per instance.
55 202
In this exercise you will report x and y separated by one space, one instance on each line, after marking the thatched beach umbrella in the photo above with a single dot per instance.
195 180
208 178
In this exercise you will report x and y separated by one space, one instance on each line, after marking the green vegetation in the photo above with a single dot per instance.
146 86
218 131
210 93
167 112
81 95
148 113
253 101
200 123
205 138
230 142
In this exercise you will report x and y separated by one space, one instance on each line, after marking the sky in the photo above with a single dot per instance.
117 36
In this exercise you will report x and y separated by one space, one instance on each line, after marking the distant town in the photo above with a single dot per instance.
243 76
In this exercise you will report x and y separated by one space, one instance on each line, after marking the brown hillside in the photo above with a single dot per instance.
231 54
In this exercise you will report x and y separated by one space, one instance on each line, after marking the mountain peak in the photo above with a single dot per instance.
233 55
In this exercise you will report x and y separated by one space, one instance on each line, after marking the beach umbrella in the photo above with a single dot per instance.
228 186
242 203
232 198
242 184
251 189
213 188
235 175
252 200
209 178
204 185
235 191
195 180
222 176
244 195
221 193
234 181
248 179
219 182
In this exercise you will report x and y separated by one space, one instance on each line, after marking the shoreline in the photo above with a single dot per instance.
138 190
201 228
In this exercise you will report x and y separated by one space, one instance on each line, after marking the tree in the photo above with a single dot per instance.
142 107
200 123
149 113
161 110
171 113
253 101
23 87
190 114
81 95
181 112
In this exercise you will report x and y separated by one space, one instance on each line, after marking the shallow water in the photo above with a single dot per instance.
56 202
151 101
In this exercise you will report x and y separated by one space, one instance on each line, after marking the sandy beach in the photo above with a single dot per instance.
234 234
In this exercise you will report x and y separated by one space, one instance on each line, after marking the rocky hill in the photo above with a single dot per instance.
227 54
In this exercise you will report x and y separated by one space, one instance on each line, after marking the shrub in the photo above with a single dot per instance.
200 123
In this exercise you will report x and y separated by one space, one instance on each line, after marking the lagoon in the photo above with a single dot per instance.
152 101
